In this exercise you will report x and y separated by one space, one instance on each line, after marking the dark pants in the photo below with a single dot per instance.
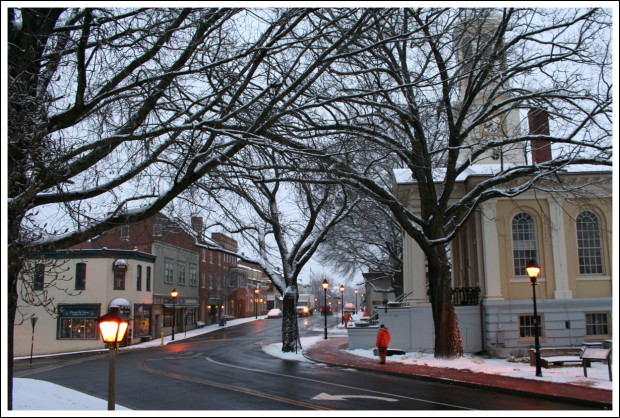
382 354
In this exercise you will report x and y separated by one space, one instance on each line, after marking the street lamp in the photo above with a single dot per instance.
342 299
256 301
355 300
174 295
325 285
112 326
533 270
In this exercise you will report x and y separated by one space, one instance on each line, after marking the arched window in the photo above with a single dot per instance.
523 242
589 247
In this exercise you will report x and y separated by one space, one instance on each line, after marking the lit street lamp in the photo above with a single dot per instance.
112 326
256 301
342 299
325 285
533 270
174 295
355 300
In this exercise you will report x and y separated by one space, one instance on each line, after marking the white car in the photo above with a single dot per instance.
274 313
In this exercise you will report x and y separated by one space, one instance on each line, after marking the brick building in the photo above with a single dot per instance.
176 267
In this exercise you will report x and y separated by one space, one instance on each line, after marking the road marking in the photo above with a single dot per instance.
142 366
328 397
337 385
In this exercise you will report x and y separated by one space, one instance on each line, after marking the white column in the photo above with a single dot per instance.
414 272
558 243
490 250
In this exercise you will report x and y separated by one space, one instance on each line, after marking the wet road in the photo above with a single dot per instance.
228 370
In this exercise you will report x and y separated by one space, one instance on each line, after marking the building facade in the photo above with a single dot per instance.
176 266
66 291
567 230
217 269
572 242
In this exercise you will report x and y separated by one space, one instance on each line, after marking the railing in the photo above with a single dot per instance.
466 296
403 297
374 319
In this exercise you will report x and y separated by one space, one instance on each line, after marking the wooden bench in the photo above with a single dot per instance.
596 354
558 356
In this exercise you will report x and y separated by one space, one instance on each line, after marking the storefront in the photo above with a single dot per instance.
78 321
142 321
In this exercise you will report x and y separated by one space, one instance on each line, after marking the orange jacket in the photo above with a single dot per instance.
383 337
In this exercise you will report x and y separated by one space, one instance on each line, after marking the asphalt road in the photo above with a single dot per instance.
228 370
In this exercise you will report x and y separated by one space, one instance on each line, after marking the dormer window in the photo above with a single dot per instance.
119 267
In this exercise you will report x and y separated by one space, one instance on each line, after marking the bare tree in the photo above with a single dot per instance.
114 112
444 89
367 240
284 214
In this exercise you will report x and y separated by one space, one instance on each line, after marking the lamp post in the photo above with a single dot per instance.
256 301
174 295
533 270
33 322
112 326
325 285
355 300
342 299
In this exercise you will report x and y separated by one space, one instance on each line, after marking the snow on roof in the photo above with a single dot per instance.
120 303
403 175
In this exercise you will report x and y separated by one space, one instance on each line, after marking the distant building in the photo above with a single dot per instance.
216 276
378 290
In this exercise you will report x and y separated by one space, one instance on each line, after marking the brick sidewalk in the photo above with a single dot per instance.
330 352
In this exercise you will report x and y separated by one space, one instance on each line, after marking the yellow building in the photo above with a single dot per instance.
570 239
563 223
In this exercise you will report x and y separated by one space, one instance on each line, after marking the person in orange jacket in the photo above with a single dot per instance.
347 318
383 340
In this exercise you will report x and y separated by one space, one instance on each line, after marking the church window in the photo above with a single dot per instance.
589 246
524 246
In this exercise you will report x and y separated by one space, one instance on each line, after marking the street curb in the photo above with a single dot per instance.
501 389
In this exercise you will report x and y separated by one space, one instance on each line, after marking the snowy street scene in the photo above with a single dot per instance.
264 209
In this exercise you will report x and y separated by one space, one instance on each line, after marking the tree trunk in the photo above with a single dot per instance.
448 343
14 269
290 329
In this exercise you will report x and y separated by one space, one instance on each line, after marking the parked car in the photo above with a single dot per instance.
326 310
274 313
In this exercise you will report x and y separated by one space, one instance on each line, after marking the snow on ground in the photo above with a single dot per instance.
32 394
598 374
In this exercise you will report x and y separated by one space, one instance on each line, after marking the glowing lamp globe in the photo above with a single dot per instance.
533 270
113 326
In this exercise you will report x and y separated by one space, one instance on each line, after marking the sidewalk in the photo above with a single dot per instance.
330 352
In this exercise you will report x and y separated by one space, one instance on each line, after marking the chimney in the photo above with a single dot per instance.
539 125
197 224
